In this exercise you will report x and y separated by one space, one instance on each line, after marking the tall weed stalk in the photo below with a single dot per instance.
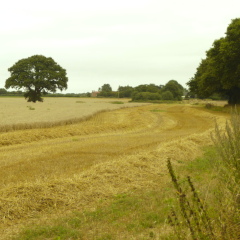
227 141
192 214
190 219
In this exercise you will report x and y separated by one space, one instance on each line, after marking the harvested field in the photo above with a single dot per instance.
46 173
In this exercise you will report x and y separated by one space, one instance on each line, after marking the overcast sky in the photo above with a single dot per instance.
120 42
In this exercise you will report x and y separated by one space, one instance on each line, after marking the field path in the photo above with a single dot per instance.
63 168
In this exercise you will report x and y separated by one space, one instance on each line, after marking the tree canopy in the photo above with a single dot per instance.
171 91
105 90
219 72
37 75
174 88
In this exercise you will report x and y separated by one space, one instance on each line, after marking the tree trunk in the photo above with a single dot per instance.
234 96
33 95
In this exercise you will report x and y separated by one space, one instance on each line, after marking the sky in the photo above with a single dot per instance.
116 42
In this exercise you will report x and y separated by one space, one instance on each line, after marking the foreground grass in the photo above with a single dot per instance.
135 215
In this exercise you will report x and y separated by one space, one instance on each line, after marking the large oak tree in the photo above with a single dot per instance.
37 75
219 72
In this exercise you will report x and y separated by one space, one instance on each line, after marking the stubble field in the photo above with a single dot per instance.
47 172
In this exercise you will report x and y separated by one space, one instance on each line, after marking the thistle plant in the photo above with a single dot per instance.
193 214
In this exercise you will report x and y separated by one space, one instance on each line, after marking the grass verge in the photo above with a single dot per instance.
215 214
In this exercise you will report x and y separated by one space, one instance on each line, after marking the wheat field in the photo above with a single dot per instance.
17 113
49 172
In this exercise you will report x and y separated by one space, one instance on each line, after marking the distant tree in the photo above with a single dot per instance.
37 75
3 91
106 88
219 72
148 88
125 92
167 95
175 88
88 94
145 96
105 91
153 88
141 88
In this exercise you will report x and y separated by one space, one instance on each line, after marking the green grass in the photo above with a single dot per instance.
126 214
159 101
203 164
208 206
157 110
30 108
117 102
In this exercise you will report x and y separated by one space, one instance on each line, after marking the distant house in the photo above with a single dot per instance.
94 93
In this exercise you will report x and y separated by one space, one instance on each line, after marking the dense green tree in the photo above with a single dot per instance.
106 88
219 72
171 91
125 92
167 95
37 75
153 88
105 91
3 91
146 96
175 88
141 88
148 88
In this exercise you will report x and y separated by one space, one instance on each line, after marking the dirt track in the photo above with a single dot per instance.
63 152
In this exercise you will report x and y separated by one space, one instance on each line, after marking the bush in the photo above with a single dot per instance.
145 96
167 95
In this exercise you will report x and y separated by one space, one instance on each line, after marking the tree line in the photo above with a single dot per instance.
219 72
145 92
4 92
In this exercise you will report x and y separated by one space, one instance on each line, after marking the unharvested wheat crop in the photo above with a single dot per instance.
17 113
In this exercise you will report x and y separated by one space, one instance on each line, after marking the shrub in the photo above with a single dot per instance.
167 95
145 96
